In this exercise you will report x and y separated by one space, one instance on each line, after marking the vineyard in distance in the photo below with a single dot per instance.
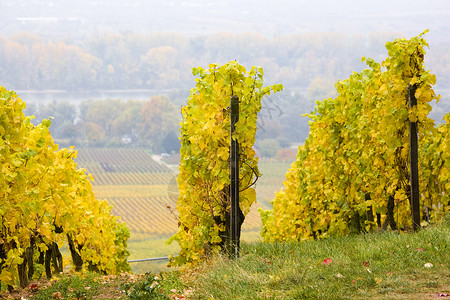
143 192
136 186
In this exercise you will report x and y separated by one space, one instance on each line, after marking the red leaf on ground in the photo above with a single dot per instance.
420 250
366 263
327 261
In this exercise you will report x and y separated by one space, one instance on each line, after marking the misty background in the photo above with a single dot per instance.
115 73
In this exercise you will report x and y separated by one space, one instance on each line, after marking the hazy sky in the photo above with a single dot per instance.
407 17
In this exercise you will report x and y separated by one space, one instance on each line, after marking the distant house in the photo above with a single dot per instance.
126 139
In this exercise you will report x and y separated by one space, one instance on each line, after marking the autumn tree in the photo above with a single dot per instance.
159 117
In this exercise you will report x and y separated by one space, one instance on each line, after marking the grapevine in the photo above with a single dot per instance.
46 202
203 181
354 164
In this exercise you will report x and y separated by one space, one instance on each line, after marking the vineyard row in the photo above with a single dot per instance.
146 215
118 160
150 215
132 178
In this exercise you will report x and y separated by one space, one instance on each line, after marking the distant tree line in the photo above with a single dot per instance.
154 123
308 65
164 60
112 122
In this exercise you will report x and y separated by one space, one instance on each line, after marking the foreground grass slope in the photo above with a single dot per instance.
382 265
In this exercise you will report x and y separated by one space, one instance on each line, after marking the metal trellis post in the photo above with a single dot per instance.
234 177
414 164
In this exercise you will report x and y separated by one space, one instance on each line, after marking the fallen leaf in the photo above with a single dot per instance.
57 295
327 261
366 263
420 250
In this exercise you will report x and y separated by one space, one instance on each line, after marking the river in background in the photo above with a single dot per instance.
46 96
178 97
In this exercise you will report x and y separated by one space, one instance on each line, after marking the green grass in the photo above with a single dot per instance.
151 249
379 265
383 265
158 248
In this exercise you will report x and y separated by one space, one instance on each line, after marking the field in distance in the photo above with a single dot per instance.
143 192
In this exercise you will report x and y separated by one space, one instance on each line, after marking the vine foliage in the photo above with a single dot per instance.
204 178
352 173
47 203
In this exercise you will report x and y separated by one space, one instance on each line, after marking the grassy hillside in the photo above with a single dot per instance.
384 265
381 265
